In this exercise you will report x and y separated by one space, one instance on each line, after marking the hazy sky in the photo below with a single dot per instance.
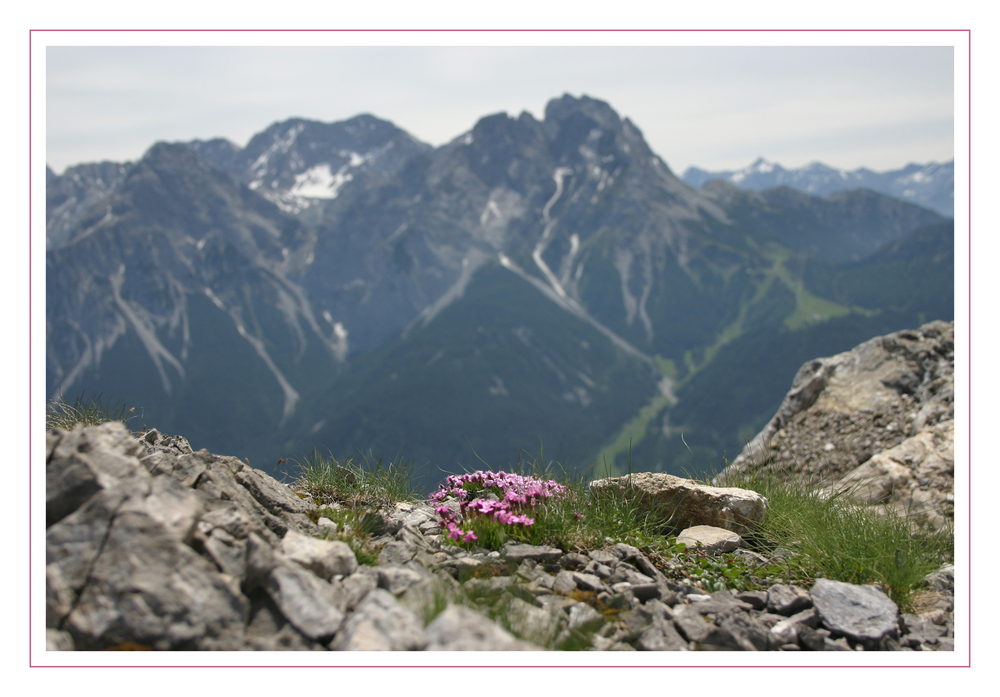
712 107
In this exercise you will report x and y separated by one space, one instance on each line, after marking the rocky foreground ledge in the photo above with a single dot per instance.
153 546
878 420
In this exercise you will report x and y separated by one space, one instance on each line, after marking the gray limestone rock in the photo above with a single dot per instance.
73 544
748 634
488 589
397 552
706 635
755 599
710 540
461 629
943 579
59 596
628 574
786 631
462 568
518 552
379 623
82 462
325 558
354 588
603 557
645 591
419 516
123 559
573 561
787 600
309 602
876 421
684 503
397 579
269 630
228 552
583 617
861 613
602 571
920 633
647 567
625 552
661 636
537 625
692 624
718 603
588 582
147 587
565 582
915 478
56 640
154 441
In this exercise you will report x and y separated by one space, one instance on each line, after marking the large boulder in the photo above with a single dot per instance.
877 420
149 543
119 559
683 503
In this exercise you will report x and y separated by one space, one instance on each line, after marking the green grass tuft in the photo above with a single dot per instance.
805 535
837 537
369 482
88 411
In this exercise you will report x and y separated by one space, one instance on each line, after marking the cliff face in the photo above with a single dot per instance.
878 420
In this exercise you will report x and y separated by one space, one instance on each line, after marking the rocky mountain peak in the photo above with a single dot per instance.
502 124
172 186
569 108
585 128
312 159
929 185
219 151
168 156
499 148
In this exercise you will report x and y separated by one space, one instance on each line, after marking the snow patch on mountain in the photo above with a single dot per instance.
320 182
339 345
280 146
502 207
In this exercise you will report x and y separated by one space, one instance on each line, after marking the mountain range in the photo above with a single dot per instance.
930 185
531 285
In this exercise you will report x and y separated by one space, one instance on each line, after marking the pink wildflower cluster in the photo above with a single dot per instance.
514 493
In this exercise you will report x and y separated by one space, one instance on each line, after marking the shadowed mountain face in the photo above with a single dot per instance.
345 286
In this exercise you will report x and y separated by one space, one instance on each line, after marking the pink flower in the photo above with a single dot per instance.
514 491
